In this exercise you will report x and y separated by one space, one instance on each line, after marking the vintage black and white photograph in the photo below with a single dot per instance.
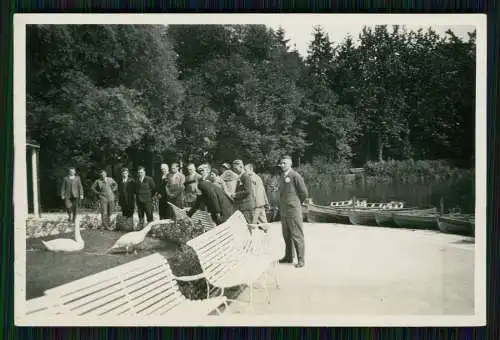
250 169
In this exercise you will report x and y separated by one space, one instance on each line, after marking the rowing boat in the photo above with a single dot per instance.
385 217
416 219
327 214
457 224
366 214
362 216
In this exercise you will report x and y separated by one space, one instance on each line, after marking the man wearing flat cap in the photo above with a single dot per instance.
242 197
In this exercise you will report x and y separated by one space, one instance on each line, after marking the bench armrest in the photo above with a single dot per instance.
190 277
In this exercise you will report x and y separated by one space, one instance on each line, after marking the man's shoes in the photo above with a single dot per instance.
299 265
285 261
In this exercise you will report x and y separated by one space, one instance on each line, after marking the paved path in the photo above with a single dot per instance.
354 270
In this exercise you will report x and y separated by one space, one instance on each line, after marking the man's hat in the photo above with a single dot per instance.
238 162
203 166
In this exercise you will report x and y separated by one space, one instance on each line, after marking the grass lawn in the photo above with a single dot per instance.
45 269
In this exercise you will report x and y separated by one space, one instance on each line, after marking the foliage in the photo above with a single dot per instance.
184 263
179 231
124 95
331 126
414 170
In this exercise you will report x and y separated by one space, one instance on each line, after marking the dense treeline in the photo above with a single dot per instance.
114 95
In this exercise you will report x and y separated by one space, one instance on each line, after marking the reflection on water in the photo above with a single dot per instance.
455 194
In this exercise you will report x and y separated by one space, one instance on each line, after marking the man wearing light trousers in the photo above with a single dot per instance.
293 192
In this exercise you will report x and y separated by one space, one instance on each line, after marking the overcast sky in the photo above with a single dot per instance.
300 34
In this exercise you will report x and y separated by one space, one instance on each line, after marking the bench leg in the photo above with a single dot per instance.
268 296
226 307
275 275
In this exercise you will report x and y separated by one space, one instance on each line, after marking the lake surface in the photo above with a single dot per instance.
455 193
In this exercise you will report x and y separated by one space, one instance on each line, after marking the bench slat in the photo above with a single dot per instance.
226 253
150 276
92 296
149 288
142 287
110 274
215 245
212 235
225 247
99 307
165 298
90 300
118 309
138 287
38 305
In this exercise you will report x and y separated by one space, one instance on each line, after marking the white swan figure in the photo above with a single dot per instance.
132 239
66 244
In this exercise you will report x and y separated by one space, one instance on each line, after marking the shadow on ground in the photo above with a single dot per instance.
465 241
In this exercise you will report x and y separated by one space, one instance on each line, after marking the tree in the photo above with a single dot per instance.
381 105
331 128
98 95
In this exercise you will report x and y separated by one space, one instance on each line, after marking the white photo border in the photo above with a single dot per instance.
20 172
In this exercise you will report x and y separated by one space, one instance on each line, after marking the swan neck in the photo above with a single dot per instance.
78 236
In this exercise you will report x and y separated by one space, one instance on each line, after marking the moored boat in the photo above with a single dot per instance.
326 214
384 217
363 216
366 215
341 204
416 219
457 224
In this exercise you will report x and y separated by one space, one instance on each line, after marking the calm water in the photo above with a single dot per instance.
456 194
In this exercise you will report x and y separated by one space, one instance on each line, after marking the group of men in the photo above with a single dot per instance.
132 192
236 187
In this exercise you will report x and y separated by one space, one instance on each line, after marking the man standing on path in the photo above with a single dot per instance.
126 190
259 195
163 194
144 191
242 197
105 187
71 193
191 185
293 192
176 186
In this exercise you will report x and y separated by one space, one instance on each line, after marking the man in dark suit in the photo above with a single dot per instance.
293 192
145 189
163 194
243 196
126 191
218 203
71 193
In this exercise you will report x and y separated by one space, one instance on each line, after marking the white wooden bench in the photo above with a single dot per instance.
200 216
227 257
38 305
144 287
204 218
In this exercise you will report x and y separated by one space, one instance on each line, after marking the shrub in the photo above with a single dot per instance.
185 263
320 168
178 231
411 171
